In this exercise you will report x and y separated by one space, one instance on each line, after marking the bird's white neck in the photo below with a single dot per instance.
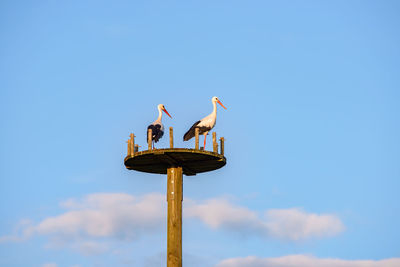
159 115
214 108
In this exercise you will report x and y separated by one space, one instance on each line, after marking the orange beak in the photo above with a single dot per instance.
167 113
219 102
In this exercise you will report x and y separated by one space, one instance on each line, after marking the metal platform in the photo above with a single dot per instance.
192 161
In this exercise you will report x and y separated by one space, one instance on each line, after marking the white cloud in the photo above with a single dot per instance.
296 224
22 231
289 224
49 265
305 261
116 215
89 225
218 213
89 248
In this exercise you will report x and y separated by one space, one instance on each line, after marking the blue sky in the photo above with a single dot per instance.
312 127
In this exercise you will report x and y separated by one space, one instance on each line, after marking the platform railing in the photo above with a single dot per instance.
134 148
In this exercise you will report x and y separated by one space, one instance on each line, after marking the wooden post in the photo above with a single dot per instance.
174 225
222 145
132 145
129 147
149 138
196 136
215 144
171 137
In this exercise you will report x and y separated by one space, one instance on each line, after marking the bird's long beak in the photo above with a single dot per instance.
167 113
219 102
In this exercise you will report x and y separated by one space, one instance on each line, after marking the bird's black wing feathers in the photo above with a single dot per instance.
156 132
190 134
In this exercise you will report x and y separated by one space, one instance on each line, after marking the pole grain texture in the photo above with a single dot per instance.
174 227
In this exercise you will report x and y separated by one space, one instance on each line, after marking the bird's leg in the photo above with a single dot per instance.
205 136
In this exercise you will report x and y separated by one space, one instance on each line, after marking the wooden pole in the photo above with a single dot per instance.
215 144
171 137
132 145
129 148
196 136
222 145
174 226
149 138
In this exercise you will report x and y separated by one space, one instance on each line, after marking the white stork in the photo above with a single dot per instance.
157 127
206 124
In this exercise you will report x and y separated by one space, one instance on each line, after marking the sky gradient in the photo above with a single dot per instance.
312 131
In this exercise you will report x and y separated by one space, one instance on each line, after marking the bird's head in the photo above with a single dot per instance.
162 107
216 100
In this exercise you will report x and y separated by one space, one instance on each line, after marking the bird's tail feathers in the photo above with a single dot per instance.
190 134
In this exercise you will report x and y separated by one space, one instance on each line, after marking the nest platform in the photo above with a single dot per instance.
192 161
158 161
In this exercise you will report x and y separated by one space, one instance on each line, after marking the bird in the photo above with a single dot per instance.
206 124
157 127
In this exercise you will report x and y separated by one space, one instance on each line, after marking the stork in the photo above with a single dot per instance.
157 127
206 124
